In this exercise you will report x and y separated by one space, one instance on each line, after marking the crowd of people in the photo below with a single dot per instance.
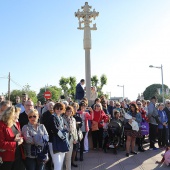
55 135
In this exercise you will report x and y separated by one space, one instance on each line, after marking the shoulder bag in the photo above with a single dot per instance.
95 125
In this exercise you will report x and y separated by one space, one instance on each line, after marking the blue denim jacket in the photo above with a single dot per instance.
162 119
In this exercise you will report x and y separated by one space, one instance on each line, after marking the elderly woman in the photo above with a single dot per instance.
55 126
97 126
167 110
162 127
129 132
33 134
10 140
71 124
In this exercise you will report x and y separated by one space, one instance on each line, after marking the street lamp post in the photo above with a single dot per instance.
85 17
161 67
123 91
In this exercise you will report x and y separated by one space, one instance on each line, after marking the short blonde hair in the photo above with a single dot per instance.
99 105
33 111
7 116
74 104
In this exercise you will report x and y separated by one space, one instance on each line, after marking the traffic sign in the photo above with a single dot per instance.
47 95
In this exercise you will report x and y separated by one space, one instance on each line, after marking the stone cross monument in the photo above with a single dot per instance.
85 17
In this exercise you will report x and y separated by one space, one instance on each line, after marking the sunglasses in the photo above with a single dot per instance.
59 109
97 106
168 103
138 104
32 117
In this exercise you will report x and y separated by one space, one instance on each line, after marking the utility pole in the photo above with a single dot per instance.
85 17
9 79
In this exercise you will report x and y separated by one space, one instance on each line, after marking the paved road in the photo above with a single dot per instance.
98 160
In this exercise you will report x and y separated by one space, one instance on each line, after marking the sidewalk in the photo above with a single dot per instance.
98 160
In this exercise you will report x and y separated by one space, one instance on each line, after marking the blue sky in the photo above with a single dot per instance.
40 42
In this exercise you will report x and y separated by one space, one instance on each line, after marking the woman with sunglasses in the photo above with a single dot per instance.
130 133
10 140
99 118
33 134
56 125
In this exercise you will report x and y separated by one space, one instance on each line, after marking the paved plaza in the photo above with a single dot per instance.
98 160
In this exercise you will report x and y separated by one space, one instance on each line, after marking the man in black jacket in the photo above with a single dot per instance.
80 91
23 118
167 110
44 120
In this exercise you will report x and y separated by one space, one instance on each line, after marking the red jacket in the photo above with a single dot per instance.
99 116
7 142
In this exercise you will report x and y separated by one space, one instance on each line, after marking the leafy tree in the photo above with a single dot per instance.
26 89
99 86
103 80
68 85
15 93
55 91
72 89
63 82
152 90
94 80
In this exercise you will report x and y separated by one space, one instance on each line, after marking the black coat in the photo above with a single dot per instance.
23 119
168 114
45 119
79 92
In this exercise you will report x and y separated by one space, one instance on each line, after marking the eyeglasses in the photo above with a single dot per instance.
32 117
29 105
97 106
138 104
117 105
168 103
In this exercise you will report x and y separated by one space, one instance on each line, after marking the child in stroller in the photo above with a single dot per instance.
114 136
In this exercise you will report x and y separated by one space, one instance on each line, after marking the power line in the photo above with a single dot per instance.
16 83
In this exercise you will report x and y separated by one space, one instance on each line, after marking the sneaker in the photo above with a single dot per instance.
111 146
85 151
155 149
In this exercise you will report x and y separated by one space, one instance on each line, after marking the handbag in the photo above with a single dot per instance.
59 144
34 150
80 135
40 152
42 156
94 126
144 128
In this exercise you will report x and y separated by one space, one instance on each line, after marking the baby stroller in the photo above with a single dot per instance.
115 136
